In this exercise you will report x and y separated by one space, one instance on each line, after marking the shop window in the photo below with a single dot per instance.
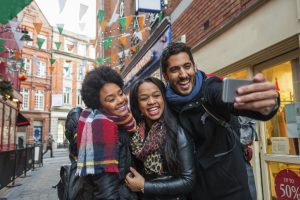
282 131
60 133
243 74
284 180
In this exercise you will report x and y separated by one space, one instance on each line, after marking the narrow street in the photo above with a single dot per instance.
37 185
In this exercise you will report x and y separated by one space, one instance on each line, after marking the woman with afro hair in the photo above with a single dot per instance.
104 129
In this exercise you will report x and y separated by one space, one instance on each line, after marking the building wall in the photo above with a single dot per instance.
215 13
60 80
253 34
34 83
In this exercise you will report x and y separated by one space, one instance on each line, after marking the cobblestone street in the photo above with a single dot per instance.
37 185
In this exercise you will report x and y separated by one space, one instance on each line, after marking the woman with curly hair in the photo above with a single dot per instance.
103 136
163 153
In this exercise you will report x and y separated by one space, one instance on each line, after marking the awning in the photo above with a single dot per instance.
22 121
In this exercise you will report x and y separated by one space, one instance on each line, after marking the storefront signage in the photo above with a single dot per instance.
143 62
280 145
287 185
292 114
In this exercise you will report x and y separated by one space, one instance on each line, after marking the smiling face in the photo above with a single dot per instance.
151 102
113 100
180 73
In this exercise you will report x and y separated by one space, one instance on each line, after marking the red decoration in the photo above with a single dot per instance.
277 85
22 77
287 185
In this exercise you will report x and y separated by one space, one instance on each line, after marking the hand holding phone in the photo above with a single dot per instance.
230 86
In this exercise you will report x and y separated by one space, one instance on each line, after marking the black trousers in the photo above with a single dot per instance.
51 151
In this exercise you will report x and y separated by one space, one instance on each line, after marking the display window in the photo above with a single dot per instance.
282 132
242 74
284 180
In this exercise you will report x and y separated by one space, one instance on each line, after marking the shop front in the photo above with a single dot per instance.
254 46
146 61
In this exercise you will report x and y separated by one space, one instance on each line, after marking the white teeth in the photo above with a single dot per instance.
122 108
184 82
153 109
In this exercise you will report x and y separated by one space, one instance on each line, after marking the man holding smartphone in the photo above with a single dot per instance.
220 167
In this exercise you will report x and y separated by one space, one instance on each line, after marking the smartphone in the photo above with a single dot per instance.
230 86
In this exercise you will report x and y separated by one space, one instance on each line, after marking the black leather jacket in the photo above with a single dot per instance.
168 187
224 177
110 186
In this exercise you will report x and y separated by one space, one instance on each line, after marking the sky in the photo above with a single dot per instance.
78 16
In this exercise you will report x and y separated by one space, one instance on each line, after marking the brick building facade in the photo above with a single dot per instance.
36 88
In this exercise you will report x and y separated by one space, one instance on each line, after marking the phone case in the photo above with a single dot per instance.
230 86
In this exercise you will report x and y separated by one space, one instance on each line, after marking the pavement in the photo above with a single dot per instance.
37 185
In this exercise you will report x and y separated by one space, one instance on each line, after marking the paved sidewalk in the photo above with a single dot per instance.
38 183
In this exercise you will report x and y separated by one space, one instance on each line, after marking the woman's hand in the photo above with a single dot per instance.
135 181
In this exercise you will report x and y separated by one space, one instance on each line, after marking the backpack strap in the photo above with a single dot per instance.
219 121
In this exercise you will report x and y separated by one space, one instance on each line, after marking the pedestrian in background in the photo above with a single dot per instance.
164 154
220 166
103 137
49 143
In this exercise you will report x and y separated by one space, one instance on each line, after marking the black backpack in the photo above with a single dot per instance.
69 186
71 129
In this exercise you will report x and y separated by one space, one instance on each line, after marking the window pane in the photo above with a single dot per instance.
279 139
39 100
81 48
27 65
12 129
67 70
67 95
240 74
283 174
6 127
25 102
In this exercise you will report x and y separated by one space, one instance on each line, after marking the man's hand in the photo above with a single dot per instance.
260 96
134 181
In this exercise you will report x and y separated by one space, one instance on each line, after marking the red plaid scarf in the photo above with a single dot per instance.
97 140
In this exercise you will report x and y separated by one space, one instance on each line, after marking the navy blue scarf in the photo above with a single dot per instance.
175 99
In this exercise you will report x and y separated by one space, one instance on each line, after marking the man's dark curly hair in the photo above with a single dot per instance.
94 80
173 49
